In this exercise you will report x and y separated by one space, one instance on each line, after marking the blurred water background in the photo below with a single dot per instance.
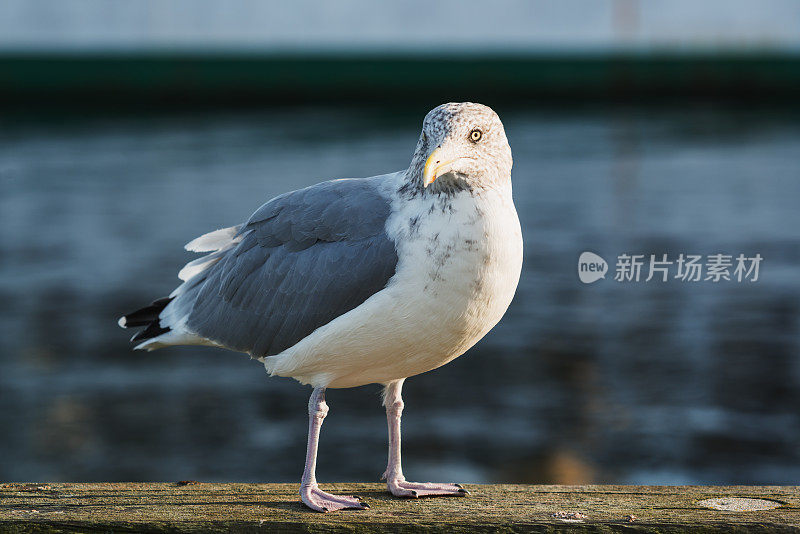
644 383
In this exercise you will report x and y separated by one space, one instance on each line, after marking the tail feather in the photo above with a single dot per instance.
148 317
173 321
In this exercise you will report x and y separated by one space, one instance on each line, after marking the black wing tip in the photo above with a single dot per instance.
147 317
152 330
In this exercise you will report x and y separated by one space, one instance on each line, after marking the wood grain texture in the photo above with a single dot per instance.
193 507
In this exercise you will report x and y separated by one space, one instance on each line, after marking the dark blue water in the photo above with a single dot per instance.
659 382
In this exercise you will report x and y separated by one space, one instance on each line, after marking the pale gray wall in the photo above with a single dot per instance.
418 25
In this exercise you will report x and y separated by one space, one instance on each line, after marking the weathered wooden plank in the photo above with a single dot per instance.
149 507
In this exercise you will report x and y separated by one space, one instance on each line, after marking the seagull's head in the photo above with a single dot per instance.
462 146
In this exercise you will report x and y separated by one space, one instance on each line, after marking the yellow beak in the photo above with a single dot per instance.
432 165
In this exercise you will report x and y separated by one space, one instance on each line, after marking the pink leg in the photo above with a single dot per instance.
395 480
312 496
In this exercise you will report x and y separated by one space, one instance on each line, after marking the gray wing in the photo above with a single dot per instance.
304 259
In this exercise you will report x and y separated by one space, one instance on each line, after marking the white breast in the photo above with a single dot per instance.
459 265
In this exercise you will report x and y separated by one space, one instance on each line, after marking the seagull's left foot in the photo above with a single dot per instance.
403 488
321 501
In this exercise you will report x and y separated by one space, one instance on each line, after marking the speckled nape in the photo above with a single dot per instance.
485 163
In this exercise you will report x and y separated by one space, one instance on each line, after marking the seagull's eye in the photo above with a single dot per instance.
475 135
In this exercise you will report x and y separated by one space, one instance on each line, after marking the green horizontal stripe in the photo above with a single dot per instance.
177 77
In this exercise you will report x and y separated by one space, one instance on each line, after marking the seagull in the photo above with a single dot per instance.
361 281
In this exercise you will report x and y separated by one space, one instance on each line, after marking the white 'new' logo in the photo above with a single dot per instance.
591 267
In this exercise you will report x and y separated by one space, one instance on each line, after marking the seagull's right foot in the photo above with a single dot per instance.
318 500
403 488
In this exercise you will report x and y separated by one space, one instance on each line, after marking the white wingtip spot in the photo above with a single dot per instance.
196 267
213 240
122 322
